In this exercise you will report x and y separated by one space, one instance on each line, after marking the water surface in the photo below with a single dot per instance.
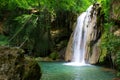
59 71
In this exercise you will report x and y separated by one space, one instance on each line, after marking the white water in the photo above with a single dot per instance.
79 38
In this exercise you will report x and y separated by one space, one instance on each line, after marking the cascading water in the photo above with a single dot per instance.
80 38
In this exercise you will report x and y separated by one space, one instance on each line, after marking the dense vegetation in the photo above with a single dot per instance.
110 40
29 24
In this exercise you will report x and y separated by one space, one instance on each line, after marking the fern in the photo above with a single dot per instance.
23 21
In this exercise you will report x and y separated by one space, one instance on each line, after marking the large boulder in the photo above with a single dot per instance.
13 65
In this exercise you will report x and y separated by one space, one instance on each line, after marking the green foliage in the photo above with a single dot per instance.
4 4
83 5
118 63
14 4
31 34
110 45
109 42
54 55
3 40
103 54
20 33
30 29
106 8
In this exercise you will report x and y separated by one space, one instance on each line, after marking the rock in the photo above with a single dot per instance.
62 53
95 53
116 78
115 10
94 34
39 59
68 53
13 65
43 59
117 33
32 70
47 59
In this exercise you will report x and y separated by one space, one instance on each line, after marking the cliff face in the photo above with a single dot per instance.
68 53
94 34
94 29
13 65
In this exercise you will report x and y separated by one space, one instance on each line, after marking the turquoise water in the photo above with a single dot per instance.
58 71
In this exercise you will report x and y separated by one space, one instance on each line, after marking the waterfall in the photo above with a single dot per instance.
79 40
80 35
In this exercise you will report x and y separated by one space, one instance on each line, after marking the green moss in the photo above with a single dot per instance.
103 55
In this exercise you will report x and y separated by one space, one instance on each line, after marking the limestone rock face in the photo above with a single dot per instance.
95 53
68 53
94 34
13 65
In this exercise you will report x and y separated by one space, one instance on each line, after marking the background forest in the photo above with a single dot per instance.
43 27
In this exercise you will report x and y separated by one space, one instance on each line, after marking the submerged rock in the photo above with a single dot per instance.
13 65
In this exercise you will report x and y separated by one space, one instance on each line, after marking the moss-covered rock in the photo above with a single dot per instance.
13 65
54 55
32 70
115 10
